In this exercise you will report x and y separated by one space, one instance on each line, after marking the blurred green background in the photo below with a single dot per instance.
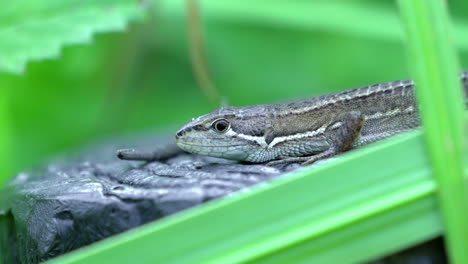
257 51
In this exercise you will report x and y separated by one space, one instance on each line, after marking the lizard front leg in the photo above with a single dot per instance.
159 152
340 140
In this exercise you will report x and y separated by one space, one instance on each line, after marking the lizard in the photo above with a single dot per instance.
303 131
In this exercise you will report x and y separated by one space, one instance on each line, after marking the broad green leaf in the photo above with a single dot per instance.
32 30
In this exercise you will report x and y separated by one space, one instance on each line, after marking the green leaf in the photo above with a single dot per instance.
32 30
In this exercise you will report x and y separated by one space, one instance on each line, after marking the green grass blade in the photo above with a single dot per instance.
324 214
434 63
5 138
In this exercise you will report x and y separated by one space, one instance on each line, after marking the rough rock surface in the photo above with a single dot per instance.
74 202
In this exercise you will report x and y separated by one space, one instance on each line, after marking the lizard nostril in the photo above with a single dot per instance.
179 134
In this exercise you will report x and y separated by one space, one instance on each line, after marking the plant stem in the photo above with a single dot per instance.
197 53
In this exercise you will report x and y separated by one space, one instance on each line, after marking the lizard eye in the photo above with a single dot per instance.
220 125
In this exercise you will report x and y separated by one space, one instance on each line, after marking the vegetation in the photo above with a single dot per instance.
59 96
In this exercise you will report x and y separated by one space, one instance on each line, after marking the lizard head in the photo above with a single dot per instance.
229 132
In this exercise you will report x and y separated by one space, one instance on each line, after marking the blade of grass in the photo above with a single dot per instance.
5 139
435 67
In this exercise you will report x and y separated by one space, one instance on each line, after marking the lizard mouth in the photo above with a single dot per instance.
233 152
227 146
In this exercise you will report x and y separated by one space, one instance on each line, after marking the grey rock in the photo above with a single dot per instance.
82 199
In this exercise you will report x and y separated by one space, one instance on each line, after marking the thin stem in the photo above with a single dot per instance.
197 53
